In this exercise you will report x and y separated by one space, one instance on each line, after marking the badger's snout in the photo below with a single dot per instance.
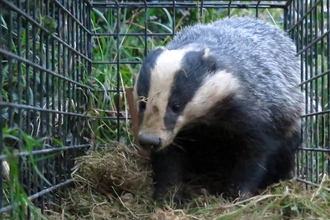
149 141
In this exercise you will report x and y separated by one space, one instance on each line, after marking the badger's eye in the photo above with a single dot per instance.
142 106
176 107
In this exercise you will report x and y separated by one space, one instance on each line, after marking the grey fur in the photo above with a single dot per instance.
271 70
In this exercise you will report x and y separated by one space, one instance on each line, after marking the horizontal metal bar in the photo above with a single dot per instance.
214 4
22 106
38 194
314 42
115 62
115 118
46 151
131 34
316 113
108 90
314 149
19 58
315 77
308 182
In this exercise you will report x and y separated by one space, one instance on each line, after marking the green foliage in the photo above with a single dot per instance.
16 164
49 23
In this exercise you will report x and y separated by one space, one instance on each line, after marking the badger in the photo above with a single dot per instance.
222 102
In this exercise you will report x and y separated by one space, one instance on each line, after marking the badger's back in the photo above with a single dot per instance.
247 43
261 55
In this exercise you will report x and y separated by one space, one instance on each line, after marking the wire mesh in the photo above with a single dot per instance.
44 57
309 26
61 60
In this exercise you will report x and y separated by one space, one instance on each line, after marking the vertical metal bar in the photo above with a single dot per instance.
201 11
323 123
89 38
66 86
41 100
299 165
47 94
118 65
10 69
75 71
311 86
78 69
52 88
20 91
66 93
328 82
229 6
89 46
173 23
257 9
315 25
292 22
61 69
81 42
70 72
298 29
306 89
303 76
145 28
28 94
35 83
286 20
1 120
76 97
69 69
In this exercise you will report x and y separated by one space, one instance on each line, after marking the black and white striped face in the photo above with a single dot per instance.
173 89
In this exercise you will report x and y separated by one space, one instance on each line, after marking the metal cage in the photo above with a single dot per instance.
64 65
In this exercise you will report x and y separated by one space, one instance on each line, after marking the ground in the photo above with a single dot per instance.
114 182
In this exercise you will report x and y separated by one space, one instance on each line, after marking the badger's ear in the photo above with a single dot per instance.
160 48
209 61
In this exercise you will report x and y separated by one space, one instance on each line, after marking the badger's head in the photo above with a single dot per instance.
174 88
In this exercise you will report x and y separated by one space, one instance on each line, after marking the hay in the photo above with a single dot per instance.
106 181
114 183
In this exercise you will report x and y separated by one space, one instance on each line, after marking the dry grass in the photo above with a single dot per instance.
113 183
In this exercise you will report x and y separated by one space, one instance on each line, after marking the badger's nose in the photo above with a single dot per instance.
149 141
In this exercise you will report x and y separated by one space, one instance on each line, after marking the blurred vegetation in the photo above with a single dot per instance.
54 50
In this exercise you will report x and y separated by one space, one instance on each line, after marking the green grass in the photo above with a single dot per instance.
14 192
